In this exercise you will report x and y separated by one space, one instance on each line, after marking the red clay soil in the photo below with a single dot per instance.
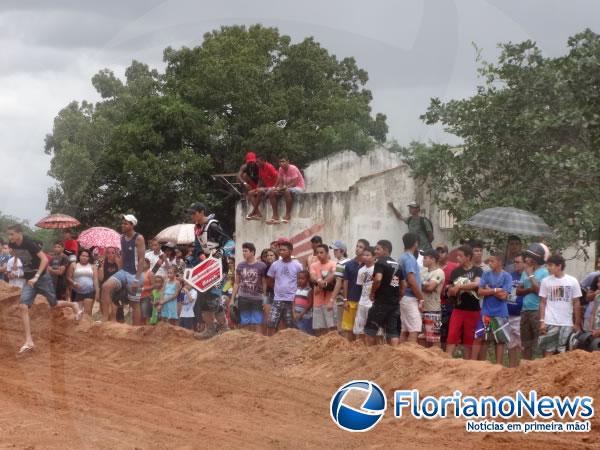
91 385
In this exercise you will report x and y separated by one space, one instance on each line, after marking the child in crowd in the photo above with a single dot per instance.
365 280
303 303
157 292
495 286
559 302
14 271
168 302
146 295
433 280
187 318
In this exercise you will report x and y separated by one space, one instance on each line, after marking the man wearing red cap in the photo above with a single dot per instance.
257 176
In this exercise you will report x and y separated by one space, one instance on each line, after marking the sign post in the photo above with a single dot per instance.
205 275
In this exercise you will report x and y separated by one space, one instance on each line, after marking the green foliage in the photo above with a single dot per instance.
531 140
150 146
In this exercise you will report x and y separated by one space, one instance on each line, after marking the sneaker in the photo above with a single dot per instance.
208 333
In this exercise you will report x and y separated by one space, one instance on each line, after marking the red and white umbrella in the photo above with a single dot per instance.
100 237
57 221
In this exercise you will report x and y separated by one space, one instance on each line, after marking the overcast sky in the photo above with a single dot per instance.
412 50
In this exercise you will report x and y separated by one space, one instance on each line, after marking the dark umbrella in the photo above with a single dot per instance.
510 221
58 221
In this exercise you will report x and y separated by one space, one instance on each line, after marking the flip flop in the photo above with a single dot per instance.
26 348
284 221
273 222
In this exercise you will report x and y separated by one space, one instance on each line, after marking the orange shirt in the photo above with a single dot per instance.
321 271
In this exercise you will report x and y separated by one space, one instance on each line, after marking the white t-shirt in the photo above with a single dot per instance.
152 257
559 294
189 301
10 266
365 279
432 299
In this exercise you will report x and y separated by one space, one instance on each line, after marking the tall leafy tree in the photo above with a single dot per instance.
531 139
151 144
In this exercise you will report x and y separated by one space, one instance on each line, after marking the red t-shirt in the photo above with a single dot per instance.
450 266
72 246
267 174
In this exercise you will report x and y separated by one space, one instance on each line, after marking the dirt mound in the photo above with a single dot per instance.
92 385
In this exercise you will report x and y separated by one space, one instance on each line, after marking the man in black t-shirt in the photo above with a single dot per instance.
58 270
464 282
38 279
385 294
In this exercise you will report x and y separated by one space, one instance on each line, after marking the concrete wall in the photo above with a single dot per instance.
340 171
359 212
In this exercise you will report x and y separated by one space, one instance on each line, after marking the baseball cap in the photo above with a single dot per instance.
169 245
338 245
130 218
196 207
250 157
537 251
283 240
414 204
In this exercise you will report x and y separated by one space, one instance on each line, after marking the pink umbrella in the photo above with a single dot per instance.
100 237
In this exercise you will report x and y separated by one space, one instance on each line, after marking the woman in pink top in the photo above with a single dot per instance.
289 181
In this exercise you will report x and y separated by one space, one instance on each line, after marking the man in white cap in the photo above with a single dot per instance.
417 224
130 276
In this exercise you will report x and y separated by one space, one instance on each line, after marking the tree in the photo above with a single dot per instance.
150 146
531 139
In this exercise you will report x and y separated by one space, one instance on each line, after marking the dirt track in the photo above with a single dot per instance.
109 385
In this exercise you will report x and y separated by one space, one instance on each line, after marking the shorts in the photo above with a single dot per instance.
146 306
514 331
530 328
44 286
189 323
250 311
461 328
281 309
432 323
555 339
446 313
491 328
77 297
125 279
361 319
305 324
410 316
208 302
383 315
349 315
322 318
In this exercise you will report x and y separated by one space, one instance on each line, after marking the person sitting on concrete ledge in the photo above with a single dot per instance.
257 176
289 182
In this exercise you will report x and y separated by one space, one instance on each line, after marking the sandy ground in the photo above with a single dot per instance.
93 385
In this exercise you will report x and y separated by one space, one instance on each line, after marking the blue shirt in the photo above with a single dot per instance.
408 264
492 305
350 275
531 302
514 301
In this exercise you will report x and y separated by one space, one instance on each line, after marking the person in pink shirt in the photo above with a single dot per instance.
289 182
